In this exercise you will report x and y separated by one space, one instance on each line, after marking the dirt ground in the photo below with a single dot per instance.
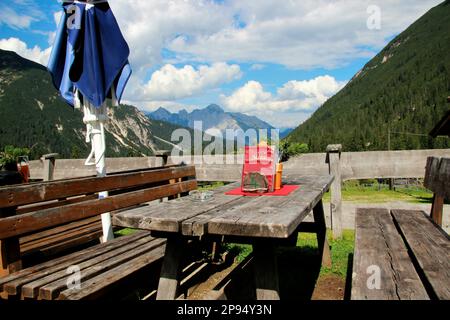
325 287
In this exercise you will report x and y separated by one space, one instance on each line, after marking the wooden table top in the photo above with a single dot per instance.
264 216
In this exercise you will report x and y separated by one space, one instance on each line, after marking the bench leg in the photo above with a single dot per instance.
321 230
171 269
266 271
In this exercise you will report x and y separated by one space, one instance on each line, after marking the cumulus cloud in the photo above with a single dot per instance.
156 23
257 67
35 54
171 83
293 96
299 34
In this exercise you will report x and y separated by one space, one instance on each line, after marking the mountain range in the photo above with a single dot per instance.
396 99
213 116
34 116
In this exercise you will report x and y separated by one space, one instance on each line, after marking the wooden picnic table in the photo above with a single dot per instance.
265 222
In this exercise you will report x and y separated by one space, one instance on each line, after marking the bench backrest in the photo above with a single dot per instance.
37 206
437 179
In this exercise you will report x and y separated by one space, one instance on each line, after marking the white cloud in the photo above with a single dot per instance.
293 97
35 54
300 34
257 67
14 20
149 25
171 83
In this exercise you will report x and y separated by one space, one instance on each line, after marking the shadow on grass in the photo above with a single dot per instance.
299 269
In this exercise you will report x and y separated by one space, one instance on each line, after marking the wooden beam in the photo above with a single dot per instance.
10 260
266 271
25 223
322 241
334 161
169 281
437 209
52 190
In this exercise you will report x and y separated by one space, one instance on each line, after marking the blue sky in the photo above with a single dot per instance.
278 60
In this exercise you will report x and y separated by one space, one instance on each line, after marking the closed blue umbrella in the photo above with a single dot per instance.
88 64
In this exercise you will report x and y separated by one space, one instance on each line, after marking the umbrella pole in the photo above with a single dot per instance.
95 118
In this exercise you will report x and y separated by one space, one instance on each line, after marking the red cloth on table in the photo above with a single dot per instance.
284 191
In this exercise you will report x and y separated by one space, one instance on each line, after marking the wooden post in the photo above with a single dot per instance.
321 231
10 250
49 165
437 209
169 280
265 271
164 156
334 162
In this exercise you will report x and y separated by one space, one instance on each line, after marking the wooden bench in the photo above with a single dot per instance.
50 243
404 254
27 209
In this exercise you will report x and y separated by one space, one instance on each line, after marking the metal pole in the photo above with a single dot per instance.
94 118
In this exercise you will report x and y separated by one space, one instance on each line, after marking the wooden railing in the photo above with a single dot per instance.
343 165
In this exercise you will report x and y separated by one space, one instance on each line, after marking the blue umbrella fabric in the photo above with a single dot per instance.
90 54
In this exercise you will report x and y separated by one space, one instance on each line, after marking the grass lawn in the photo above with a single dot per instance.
307 245
354 192
302 265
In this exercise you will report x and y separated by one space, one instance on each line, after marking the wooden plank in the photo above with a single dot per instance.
169 281
437 176
22 224
52 190
334 162
321 231
437 209
10 260
231 281
198 225
91 238
265 271
50 232
168 216
13 282
379 247
62 237
92 287
272 217
53 281
51 290
54 203
430 247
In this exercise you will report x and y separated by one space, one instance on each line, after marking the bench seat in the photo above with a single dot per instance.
47 217
410 252
100 266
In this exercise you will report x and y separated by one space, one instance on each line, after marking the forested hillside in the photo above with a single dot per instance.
402 90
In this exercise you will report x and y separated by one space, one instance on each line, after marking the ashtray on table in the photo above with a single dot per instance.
201 196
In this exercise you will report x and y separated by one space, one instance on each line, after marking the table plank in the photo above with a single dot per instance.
272 217
168 216
275 217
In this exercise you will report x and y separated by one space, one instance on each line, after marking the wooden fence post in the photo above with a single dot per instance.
49 165
334 164
164 156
